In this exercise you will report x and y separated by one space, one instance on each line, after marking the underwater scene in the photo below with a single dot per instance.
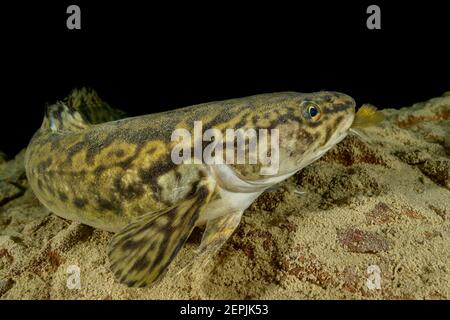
264 153
368 219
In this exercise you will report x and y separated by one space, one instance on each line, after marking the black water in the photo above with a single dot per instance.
150 58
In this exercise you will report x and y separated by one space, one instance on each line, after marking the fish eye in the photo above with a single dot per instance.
312 111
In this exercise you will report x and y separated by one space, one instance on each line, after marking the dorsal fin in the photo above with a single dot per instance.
95 110
61 117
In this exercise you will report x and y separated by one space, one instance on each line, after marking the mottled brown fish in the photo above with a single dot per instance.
119 175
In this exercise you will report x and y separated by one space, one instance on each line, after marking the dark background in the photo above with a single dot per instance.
144 58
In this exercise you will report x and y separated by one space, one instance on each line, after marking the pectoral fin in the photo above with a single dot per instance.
217 232
141 252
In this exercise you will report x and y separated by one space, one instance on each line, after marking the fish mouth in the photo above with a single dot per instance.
341 132
347 123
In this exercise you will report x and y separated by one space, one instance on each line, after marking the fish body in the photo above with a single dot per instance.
120 175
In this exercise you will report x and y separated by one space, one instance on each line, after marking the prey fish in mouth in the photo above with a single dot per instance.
367 116
118 175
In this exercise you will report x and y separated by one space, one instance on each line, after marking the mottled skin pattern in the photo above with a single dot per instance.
111 174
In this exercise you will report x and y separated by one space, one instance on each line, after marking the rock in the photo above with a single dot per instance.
437 170
13 171
359 241
3 157
353 151
411 213
5 285
337 185
440 212
380 214
447 142
69 237
413 157
434 110
269 201
8 192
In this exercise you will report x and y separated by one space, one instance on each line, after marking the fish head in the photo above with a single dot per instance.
321 120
